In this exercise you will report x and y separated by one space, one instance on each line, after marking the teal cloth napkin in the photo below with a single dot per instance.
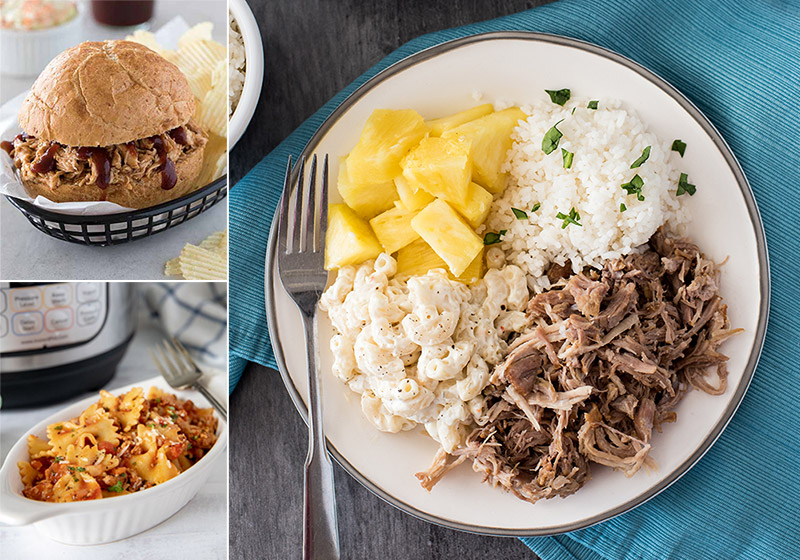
739 62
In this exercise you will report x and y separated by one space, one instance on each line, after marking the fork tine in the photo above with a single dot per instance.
309 208
322 205
161 369
296 211
283 224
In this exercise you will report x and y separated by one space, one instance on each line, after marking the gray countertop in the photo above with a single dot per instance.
28 254
323 46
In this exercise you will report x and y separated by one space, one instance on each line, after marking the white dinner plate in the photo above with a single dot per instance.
516 67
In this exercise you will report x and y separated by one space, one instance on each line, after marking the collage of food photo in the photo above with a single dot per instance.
510 279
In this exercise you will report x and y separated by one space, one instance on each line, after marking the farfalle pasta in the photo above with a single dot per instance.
119 445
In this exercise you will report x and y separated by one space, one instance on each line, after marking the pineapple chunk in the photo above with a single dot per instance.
349 240
448 234
412 198
442 125
479 202
393 228
387 136
440 166
417 258
490 140
367 199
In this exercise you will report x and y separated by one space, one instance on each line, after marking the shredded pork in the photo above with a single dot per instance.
606 358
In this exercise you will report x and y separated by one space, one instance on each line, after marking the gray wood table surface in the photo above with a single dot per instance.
312 50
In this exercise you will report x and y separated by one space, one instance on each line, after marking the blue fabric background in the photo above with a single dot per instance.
739 62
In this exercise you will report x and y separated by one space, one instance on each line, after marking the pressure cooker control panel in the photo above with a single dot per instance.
34 317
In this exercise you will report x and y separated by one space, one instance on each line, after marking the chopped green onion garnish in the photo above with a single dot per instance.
551 139
679 146
592 105
116 488
634 187
520 214
684 186
559 97
622 207
567 158
491 238
642 158
572 218
536 206
573 111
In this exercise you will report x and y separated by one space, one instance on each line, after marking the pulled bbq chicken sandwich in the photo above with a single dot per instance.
109 121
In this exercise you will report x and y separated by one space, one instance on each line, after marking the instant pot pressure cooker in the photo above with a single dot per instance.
58 340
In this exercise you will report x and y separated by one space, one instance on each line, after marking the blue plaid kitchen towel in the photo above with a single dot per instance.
195 313
739 62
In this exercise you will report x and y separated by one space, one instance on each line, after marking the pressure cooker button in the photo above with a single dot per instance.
26 299
58 319
88 313
58 295
27 323
88 291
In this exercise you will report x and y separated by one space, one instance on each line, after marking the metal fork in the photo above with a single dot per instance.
301 252
181 372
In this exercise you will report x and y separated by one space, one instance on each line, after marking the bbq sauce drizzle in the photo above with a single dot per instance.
102 162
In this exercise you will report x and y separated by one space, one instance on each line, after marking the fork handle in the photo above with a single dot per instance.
213 400
320 533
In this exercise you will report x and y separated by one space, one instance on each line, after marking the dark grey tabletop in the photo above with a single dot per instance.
312 50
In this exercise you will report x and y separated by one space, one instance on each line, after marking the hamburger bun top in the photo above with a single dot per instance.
104 93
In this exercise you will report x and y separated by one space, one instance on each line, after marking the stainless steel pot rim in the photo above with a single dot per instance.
755 218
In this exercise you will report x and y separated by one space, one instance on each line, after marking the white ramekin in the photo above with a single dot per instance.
108 519
26 53
254 75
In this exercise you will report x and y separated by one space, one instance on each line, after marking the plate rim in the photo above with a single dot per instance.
761 249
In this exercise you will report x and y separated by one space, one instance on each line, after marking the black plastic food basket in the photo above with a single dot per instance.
115 229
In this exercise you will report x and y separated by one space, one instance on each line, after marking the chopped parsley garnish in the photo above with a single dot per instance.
116 488
536 207
684 186
520 214
558 96
79 469
551 139
679 146
634 187
58 459
573 111
173 416
572 218
489 239
59 427
592 105
151 425
622 207
642 158
566 157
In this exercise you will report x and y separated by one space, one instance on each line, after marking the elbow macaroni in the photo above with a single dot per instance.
420 350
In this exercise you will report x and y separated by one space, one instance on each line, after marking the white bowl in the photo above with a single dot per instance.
26 53
254 75
724 221
109 519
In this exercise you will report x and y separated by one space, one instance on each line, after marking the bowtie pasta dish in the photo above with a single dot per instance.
513 281
117 446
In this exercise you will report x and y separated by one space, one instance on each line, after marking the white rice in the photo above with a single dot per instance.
605 142
236 64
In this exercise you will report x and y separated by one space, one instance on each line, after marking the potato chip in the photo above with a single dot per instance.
208 261
219 77
147 39
200 32
200 56
202 264
213 114
199 83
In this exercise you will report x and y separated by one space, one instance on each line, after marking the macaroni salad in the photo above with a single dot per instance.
420 350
